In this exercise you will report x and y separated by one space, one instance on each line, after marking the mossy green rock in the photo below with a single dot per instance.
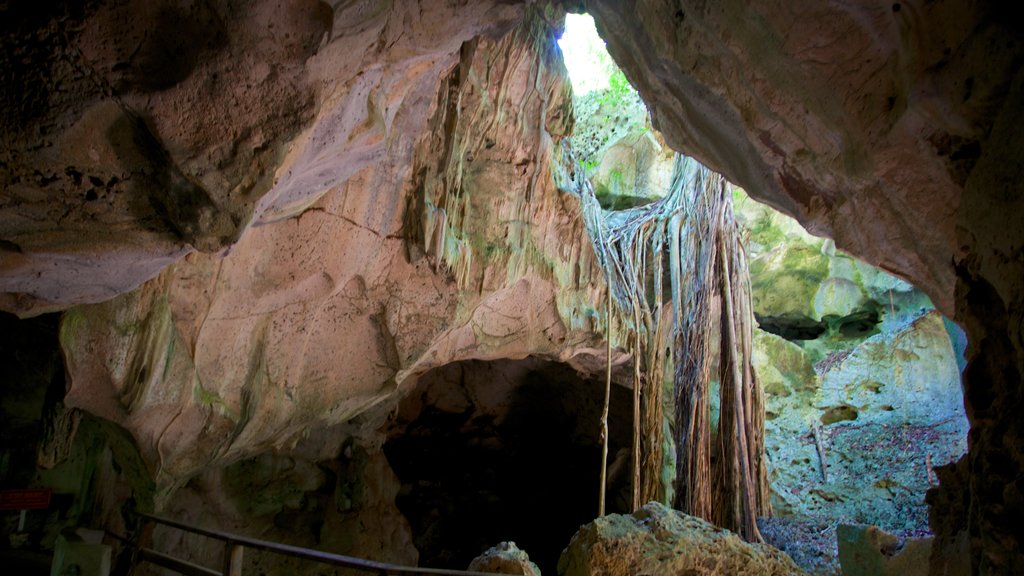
886 409
795 274
636 169
837 297
783 368
785 279
870 551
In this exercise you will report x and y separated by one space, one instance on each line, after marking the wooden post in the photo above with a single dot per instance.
143 540
233 558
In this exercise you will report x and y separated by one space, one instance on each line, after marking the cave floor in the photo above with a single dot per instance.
812 544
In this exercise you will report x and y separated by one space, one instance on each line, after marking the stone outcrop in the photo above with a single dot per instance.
870 551
455 243
658 540
887 411
868 362
824 110
505 558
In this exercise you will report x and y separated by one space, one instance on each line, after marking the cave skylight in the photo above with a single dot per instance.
586 56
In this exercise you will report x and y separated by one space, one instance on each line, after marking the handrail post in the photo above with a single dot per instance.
143 539
232 558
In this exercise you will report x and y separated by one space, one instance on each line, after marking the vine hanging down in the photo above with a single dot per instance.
687 243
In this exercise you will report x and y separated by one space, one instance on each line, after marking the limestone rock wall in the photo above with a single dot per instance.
821 109
888 411
135 133
880 124
298 342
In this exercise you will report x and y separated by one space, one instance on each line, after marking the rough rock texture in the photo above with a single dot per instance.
888 411
870 551
315 319
822 110
634 170
603 118
798 277
880 124
136 132
868 361
505 558
450 242
658 540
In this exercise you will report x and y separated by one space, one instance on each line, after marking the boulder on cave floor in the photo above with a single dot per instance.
657 540
505 558
870 551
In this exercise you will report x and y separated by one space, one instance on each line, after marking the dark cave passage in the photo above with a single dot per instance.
505 450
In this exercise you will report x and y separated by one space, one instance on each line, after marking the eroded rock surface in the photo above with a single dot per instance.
880 124
279 355
658 540
317 318
824 110
505 558
870 551
136 133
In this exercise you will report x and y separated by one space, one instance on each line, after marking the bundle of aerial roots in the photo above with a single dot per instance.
677 339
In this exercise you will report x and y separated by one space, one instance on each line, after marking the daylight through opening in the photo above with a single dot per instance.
861 374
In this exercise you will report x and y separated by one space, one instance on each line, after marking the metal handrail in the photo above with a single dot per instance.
236 541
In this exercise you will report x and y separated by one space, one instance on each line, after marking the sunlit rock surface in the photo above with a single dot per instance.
888 411
291 350
824 110
659 540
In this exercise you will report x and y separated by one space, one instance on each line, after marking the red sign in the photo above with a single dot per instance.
30 499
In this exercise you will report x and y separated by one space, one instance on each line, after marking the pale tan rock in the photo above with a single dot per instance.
505 558
136 132
870 551
638 165
312 320
825 111
658 540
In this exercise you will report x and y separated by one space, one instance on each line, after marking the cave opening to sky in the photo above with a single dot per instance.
586 55
860 372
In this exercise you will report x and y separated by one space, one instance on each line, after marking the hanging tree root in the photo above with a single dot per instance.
604 411
691 232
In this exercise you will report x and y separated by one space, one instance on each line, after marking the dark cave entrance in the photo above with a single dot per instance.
505 450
